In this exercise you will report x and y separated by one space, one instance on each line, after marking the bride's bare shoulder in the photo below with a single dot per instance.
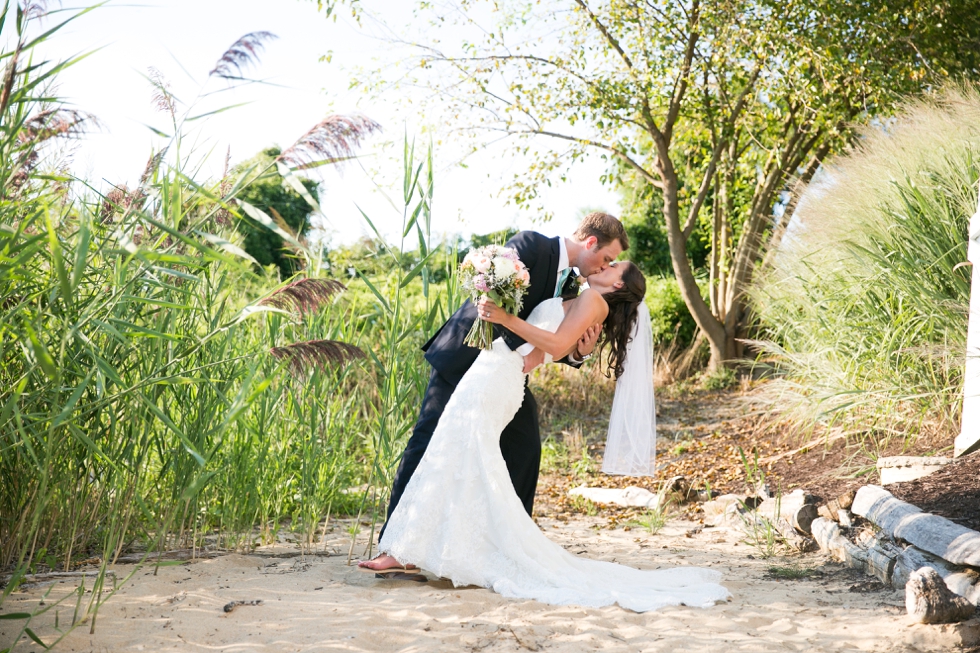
593 300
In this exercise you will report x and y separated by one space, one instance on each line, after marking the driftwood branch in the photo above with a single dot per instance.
937 535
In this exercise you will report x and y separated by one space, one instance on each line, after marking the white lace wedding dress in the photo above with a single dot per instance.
461 519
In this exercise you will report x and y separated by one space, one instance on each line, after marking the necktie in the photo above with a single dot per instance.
562 277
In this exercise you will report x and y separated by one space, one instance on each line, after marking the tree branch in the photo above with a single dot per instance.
723 141
680 87
606 33
655 180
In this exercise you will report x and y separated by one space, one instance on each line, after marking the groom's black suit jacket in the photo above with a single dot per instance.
446 352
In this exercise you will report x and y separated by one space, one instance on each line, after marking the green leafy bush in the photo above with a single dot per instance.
668 313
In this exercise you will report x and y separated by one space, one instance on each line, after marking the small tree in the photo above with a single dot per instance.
720 107
269 193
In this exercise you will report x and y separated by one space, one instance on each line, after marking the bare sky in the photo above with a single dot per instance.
182 39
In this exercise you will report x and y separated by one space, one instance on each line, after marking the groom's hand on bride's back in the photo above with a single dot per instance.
532 360
586 344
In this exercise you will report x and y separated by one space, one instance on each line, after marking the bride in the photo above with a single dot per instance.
460 516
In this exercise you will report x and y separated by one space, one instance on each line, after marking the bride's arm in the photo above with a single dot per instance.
587 310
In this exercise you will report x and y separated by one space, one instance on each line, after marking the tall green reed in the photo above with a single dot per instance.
866 303
156 391
401 374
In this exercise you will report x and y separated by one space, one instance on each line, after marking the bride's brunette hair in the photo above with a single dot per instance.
618 328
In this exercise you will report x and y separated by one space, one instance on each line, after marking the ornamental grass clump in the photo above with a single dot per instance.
865 305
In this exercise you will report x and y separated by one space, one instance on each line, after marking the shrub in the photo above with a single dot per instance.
669 317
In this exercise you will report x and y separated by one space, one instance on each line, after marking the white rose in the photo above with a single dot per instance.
503 268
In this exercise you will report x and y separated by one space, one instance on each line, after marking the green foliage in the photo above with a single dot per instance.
669 317
267 191
865 306
643 216
493 238
794 571
652 521
142 403
582 505
720 379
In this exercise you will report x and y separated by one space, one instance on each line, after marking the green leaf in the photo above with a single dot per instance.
194 488
374 290
173 428
221 110
296 184
81 254
412 220
16 615
414 271
59 260
41 355
323 162
72 400
92 446
263 218
377 233
157 131
37 640
226 245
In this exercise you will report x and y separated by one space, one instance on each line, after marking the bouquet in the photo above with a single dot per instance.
498 273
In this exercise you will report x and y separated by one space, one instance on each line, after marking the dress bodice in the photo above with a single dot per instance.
547 315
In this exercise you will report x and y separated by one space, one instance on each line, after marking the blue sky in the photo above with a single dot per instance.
183 39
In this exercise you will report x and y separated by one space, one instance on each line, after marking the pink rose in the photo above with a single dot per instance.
480 283
481 263
524 276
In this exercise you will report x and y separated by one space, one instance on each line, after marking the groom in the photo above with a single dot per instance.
598 240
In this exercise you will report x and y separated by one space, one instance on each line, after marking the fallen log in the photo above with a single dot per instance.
929 601
723 510
832 508
899 520
829 538
960 580
797 508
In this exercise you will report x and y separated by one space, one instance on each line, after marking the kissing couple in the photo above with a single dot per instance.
462 497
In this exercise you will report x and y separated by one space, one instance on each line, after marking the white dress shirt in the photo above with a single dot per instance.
527 347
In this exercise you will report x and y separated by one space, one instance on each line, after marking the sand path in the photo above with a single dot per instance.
320 604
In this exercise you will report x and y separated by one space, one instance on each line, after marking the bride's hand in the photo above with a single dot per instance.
490 312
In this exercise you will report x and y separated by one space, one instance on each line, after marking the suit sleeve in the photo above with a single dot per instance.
528 244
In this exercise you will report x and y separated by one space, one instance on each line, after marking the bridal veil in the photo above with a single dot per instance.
631 443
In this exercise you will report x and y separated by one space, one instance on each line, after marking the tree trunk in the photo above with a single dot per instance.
713 330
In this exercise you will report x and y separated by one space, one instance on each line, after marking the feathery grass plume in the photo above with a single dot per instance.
241 53
332 140
39 128
120 201
305 295
55 123
36 10
152 165
162 98
866 304
316 353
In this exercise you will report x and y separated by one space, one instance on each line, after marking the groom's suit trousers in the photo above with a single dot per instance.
520 443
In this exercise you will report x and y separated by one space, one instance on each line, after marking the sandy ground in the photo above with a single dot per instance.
318 603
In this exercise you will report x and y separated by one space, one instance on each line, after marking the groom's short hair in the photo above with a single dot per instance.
604 227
